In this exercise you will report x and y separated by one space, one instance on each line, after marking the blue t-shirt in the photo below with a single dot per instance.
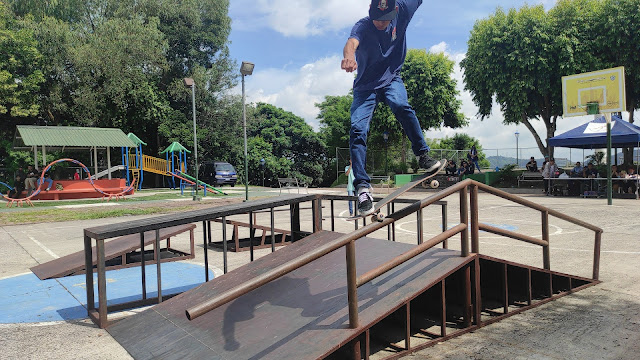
381 53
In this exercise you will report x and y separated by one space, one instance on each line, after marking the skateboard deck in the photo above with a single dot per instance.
377 215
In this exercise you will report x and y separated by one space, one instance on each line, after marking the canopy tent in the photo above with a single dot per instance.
593 135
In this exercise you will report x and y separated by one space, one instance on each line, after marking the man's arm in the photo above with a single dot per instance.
349 63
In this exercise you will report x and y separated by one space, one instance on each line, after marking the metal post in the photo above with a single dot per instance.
464 219
273 235
609 181
596 256
195 138
546 257
475 243
224 243
205 248
158 262
246 161
143 267
352 288
88 264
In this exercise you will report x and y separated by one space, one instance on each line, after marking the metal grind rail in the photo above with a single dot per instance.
469 226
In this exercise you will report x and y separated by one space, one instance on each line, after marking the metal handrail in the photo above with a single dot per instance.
348 240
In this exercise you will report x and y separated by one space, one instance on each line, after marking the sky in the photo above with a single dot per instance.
297 48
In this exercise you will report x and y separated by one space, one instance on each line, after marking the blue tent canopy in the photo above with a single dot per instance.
593 135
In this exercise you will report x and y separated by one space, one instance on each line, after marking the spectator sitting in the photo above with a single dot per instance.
470 168
18 187
590 171
577 170
464 167
76 175
631 186
532 165
615 175
451 168
47 179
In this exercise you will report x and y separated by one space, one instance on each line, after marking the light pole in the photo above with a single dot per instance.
245 69
385 136
517 134
188 82
262 163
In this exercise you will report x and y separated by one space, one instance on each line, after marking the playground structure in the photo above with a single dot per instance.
106 193
134 163
399 298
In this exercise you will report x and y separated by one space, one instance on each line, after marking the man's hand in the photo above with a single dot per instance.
349 65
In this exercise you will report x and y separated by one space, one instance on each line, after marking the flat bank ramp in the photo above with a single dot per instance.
302 315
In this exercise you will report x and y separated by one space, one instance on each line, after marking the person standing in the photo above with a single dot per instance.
376 48
350 188
30 181
548 172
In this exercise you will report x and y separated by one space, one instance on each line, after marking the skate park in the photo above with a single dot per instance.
551 327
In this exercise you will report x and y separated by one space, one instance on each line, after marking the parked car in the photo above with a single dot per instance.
217 173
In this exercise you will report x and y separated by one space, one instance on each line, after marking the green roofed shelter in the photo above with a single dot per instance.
70 137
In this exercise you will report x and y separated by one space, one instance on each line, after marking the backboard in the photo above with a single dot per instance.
606 87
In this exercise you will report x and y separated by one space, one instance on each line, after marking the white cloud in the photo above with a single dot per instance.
299 18
298 90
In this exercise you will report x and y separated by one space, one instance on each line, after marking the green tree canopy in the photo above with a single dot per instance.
20 74
295 147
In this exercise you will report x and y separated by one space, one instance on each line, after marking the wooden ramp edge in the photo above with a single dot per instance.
302 315
75 263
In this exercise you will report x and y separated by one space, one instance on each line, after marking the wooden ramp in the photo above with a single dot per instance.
302 315
120 249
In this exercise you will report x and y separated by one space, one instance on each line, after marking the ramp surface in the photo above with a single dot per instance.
302 315
74 263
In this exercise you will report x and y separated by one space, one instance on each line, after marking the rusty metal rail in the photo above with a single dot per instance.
465 228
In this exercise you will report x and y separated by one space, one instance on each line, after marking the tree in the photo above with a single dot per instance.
20 74
461 141
297 149
512 57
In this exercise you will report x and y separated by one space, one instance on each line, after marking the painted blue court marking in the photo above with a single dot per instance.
27 299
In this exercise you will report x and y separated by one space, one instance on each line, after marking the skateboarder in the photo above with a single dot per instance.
377 48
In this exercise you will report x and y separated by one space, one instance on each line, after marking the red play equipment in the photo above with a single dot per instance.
77 189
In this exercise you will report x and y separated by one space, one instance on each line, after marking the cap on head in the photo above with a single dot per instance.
383 10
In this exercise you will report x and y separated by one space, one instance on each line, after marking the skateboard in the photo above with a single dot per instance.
376 215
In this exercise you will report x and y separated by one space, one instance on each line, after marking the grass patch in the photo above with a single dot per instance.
53 215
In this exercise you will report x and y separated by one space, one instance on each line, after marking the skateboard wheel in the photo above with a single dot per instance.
377 217
434 184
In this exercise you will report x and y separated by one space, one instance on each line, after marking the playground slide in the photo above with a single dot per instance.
202 185
105 172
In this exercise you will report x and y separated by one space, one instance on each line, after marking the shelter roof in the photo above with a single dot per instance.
175 147
70 136
136 139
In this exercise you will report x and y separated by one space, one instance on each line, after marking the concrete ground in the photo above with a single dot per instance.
601 322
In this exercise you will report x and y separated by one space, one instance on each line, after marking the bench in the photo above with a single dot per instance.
530 177
81 189
289 183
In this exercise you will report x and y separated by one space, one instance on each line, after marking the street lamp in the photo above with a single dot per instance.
245 69
385 136
517 134
188 82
